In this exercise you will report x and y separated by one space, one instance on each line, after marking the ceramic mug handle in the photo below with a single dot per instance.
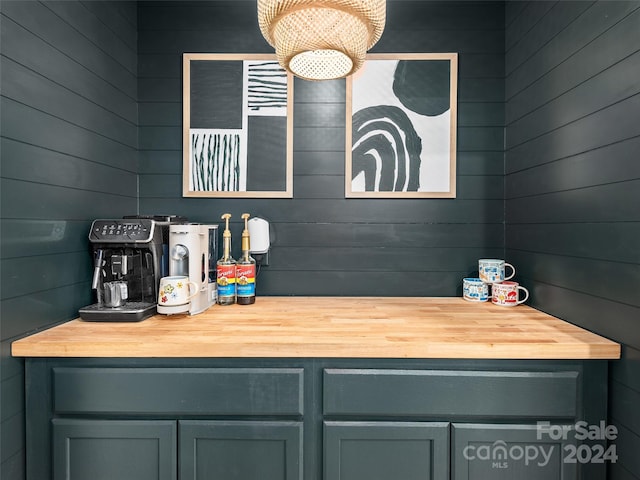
195 290
513 272
526 295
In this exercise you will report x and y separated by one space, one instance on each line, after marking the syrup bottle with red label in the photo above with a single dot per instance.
226 268
246 270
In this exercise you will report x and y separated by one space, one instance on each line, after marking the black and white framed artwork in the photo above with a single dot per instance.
401 127
237 126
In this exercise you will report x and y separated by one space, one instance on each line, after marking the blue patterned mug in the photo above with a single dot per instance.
492 270
475 290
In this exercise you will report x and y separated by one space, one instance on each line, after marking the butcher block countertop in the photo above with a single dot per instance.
331 327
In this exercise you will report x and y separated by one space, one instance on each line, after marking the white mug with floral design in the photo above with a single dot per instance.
175 291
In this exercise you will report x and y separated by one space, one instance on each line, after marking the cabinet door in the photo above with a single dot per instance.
496 452
386 450
113 449
240 450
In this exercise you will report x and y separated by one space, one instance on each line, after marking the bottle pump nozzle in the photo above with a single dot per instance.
245 234
227 232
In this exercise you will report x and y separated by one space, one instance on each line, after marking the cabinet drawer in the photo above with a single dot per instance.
445 393
179 391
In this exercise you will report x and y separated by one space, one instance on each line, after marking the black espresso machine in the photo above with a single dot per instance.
130 256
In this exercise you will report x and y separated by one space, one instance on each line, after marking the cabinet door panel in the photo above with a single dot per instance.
386 450
505 452
240 450
113 449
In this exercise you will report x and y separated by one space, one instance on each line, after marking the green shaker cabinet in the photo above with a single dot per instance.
240 450
147 450
114 449
505 452
386 450
306 418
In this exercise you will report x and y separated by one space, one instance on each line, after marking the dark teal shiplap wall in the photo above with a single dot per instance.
325 244
573 179
69 155
72 75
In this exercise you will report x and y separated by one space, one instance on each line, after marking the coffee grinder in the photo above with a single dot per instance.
193 251
128 265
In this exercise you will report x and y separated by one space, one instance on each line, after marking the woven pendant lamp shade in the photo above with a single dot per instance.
321 39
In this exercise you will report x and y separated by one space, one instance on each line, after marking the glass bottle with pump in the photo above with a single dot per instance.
246 270
226 269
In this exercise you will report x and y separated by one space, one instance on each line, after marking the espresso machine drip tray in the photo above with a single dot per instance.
129 312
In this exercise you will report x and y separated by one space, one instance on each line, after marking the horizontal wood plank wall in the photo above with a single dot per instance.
69 155
325 244
572 182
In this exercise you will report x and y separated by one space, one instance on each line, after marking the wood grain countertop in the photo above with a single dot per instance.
331 327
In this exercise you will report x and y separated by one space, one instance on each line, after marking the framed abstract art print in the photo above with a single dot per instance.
401 114
237 126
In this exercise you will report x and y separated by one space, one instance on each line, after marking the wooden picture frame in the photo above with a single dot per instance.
401 120
237 126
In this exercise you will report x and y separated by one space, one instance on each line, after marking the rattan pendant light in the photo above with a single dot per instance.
321 39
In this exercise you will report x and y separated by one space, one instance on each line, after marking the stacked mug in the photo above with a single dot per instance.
492 274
